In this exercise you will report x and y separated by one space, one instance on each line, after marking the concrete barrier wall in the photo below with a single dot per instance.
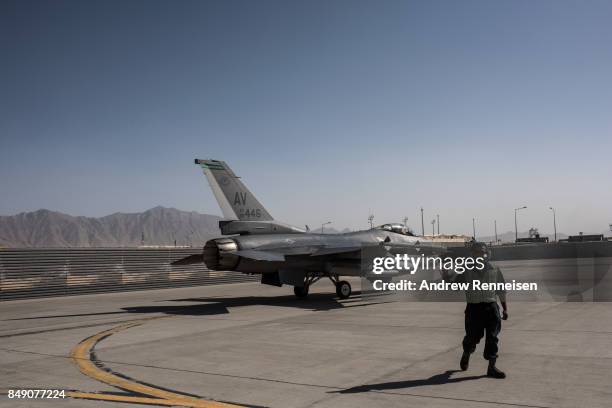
32 273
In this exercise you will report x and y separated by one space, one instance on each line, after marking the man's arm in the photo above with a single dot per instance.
502 295
505 310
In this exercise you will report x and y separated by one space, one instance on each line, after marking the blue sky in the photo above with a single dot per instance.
329 110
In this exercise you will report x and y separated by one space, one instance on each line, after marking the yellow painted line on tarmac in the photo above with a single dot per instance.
80 355
120 398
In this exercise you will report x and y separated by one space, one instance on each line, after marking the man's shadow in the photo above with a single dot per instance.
438 379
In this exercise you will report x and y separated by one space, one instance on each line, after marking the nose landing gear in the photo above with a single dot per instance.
343 289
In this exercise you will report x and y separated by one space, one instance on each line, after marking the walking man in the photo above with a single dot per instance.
482 314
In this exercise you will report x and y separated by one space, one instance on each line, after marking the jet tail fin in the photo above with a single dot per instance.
235 200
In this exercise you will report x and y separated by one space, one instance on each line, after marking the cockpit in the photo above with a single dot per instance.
397 228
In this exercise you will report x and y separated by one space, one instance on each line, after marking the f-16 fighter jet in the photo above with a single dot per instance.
280 253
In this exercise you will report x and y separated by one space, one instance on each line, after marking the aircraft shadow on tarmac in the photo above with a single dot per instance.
219 305
437 379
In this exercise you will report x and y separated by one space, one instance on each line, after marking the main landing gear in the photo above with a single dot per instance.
300 291
343 288
309 279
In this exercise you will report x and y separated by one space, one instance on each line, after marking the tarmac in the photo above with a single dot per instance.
253 345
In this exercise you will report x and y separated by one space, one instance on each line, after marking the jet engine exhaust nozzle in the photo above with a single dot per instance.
217 254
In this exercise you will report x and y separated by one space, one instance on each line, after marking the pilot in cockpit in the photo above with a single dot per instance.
397 228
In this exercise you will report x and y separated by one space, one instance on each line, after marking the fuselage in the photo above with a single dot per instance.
338 254
365 237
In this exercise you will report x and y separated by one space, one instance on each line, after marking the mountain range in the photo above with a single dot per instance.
156 226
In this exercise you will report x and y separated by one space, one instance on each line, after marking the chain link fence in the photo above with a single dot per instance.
33 273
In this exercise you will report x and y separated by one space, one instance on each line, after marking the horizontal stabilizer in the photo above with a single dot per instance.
190 260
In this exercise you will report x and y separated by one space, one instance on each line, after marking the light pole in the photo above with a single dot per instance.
438 222
422 223
554 221
324 224
496 241
515 223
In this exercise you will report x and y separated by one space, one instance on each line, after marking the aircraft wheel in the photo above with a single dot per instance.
300 291
343 289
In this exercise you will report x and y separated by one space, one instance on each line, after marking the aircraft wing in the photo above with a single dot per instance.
331 250
254 254
260 255
279 254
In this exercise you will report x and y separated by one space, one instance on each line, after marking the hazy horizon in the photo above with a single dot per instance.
314 228
329 111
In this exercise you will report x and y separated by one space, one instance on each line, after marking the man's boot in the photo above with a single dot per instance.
493 371
465 361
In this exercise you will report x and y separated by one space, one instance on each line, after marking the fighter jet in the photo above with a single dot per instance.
280 253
